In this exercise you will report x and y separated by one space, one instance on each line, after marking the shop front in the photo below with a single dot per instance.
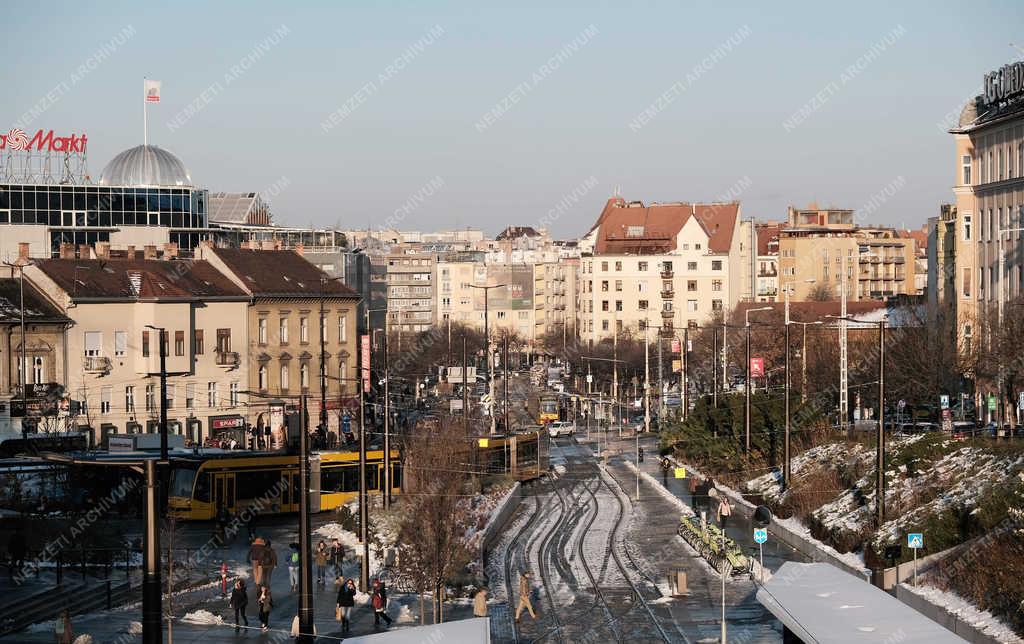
227 431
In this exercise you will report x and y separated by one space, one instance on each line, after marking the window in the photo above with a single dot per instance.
691 305
991 225
988 171
691 266
211 394
618 325
643 305
179 343
282 330
501 315
634 231
618 286
304 329
967 282
285 372
105 394
966 163
604 325
618 305
686 247
604 266
641 287
150 397
262 378
38 370
967 227
261 331
604 285
716 285
233 394
716 264
641 266
604 305
145 344
618 266
691 285
304 375
190 395
343 327
999 163
696 246
716 305
129 399
120 343
93 343
323 327
170 395
223 340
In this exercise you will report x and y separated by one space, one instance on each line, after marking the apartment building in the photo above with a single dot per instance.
285 295
817 245
767 273
942 254
117 304
665 265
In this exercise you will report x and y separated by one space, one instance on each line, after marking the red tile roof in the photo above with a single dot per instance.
660 224
138 279
766 234
279 273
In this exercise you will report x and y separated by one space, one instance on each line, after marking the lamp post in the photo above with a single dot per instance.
746 413
487 346
787 465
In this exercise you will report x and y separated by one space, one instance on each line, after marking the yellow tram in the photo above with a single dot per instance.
237 481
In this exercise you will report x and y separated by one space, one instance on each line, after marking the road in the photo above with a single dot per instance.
600 560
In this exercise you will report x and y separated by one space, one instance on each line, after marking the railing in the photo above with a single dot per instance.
227 358
667 314
666 273
667 292
96 363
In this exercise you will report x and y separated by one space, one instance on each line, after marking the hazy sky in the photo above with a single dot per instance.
489 116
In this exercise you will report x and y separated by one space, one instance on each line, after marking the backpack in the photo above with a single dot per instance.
266 557
295 558
378 602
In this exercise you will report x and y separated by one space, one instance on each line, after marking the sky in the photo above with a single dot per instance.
439 115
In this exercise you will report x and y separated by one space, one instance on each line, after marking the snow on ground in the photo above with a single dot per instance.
855 559
482 510
828 455
405 616
967 612
135 628
653 482
203 617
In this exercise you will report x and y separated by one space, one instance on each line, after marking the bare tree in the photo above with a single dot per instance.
820 292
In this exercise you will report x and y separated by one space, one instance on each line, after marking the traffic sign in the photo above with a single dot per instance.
680 472
760 535
484 442
915 540
901 404
944 401
590 377
1020 400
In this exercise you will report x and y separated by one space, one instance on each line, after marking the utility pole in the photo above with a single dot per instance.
322 431
487 345
465 390
714 367
661 381
508 428
647 402
151 600
725 355
746 385
880 456
803 368
785 442
364 511
843 373
684 359
163 406
305 531
387 428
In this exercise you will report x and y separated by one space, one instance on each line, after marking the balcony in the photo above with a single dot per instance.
666 273
96 364
667 293
899 259
227 359
667 315
666 329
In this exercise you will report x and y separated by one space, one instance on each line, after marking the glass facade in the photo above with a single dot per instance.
82 212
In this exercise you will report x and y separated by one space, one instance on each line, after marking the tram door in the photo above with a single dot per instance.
223 492
290 490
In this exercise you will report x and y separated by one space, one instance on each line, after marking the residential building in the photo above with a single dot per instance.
818 245
117 304
942 258
666 265
283 327
768 261
410 282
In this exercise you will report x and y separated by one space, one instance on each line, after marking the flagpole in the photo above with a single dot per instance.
145 114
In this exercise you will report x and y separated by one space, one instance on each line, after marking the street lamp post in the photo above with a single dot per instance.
746 412
487 345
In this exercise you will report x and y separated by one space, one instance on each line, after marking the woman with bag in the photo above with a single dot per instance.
266 602
239 600
346 601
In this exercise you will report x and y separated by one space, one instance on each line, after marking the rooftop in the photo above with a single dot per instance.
37 307
633 228
279 273
138 279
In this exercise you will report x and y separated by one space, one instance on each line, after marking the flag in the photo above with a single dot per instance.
151 89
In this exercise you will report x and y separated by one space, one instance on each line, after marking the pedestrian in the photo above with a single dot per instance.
266 602
724 511
16 548
268 561
346 601
480 603
293 566
524 596
665 467
256 556
62 631
694 485
320 558
239 600
337 557
379 600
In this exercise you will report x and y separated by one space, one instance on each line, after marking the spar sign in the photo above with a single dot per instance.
42 141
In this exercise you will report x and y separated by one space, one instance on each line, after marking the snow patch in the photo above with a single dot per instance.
405 616
203 617
965 611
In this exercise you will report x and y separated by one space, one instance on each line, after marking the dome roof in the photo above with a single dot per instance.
145 165
970 113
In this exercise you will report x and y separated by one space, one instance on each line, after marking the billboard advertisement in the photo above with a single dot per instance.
757 367
517 293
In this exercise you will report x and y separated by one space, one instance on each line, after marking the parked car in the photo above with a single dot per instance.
963 429
561 428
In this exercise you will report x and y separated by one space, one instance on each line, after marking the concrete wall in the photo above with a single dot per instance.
941 616
501 515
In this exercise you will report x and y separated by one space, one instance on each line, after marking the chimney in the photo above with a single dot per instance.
84 251
129 252
170 250
103 250
67 251
149 251
22 250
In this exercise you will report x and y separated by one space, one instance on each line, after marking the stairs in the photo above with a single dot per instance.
19 612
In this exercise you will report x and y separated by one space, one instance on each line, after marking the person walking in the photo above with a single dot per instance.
239 600
379 600
320 558
62 631
480 603
524 596
268 561
293 566
265 602
346 602
724 511
256 556
337 557
694 486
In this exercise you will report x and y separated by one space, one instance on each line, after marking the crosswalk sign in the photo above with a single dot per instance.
680 473
760 535
915 540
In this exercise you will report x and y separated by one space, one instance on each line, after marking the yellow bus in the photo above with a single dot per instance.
201 484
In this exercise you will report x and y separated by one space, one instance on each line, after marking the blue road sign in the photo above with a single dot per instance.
760 535
915 540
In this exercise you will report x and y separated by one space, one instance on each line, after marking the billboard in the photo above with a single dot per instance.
757 367
518 291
